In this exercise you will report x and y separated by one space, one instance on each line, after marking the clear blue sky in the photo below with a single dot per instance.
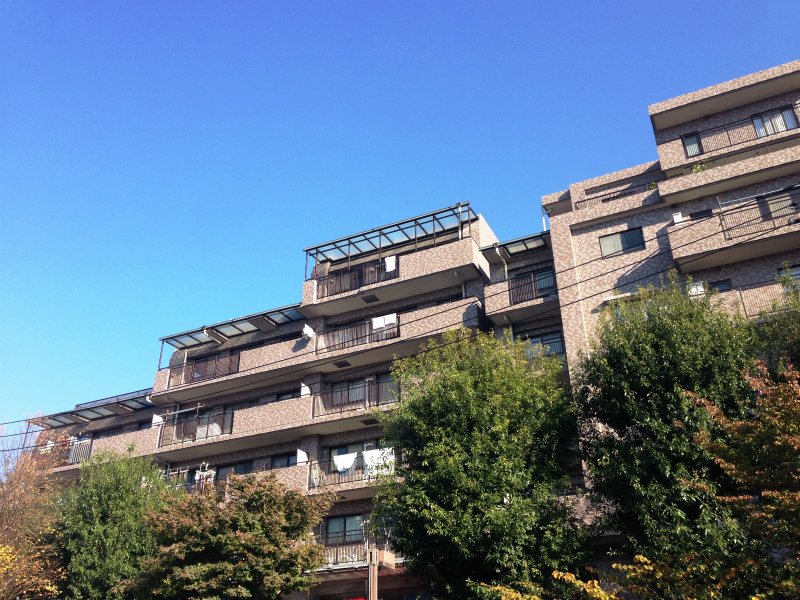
162 164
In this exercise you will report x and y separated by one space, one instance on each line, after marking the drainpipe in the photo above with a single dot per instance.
505 264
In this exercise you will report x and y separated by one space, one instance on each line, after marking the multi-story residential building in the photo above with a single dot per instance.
291 390
720 204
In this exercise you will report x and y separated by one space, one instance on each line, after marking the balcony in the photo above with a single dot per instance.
350 548
341 282
748 229
417 256
364 397
527 296
357 335
350 471
200 370
718 175
756 299
180 428
642 188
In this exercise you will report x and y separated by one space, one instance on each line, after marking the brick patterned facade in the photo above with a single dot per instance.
465 281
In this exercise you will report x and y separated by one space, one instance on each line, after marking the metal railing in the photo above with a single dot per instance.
356 335
190 428
758 298
348 547
323 473
617 195
358 276
200 370
760 215
532 286
79 451
353 398
733 134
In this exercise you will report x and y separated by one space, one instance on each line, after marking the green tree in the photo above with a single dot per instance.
103 533
779 331
484 434
252 541
639 424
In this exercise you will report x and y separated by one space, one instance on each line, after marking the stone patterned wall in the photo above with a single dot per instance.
730 172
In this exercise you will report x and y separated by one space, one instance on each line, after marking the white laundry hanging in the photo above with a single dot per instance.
390 263
377 462
344 463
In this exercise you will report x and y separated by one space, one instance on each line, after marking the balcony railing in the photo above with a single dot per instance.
532 286
341 470
348 547
740 133
190 428
356 335
757 299
358 276
79 451
760 215
207 368
370 395
617 195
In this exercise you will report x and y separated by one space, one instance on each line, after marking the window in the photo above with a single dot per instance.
353 448
348 392
696 288
721 286
620 243
692 145
341 530
775 121
242 468
546 345
794 273
281 461
701 214
288 395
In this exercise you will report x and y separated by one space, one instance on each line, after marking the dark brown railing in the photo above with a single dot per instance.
358 276
355 335
323 473
532 286
79 451
760 215
190 428
200 370
348 547
369 395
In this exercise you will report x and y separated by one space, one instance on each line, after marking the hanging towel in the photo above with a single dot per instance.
391 263
377 323
308 331
378 462
344 463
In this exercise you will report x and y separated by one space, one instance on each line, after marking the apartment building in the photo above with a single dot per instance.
720 204
291 390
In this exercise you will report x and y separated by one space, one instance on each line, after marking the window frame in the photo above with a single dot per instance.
685 137
623 249
288 456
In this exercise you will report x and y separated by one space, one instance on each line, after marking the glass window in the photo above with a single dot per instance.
619 243
349 528
775 122
242 468
281 461
288 395
696 288
692 145
721 286
546 345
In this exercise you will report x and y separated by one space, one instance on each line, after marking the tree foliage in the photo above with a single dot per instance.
252 541
484 434
639 425
29 564
103 533
779 331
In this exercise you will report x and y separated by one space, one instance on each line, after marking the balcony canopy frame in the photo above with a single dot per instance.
98 409
267 321
388 237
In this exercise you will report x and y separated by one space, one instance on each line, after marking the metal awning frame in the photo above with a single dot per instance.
383 238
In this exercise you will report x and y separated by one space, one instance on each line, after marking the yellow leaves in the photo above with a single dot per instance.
590 588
